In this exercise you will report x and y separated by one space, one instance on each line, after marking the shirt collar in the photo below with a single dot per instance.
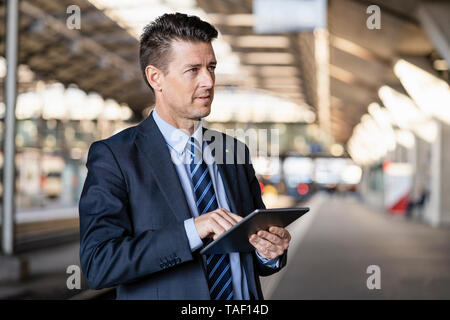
176 138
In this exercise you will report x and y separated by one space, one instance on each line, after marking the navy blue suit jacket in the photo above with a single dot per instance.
132 211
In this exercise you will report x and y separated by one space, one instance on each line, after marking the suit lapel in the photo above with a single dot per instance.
152 145
223 170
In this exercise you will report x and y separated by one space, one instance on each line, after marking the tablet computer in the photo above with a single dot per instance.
236 238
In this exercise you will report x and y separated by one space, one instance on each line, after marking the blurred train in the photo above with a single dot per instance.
300 177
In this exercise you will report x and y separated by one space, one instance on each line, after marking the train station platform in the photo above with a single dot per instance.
333 247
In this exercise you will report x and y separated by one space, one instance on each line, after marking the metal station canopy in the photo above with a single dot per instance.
103 55
360 59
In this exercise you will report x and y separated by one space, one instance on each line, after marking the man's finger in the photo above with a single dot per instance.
273 238
265 248
263 244
281 232
217 228
223 222
236 217
226 215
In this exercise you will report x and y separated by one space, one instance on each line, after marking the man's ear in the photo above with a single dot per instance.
154 76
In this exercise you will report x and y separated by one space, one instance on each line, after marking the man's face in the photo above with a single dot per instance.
188 86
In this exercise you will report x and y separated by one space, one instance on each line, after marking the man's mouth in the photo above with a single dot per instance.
203 97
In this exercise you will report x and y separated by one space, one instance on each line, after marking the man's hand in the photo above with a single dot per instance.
272 244
214 223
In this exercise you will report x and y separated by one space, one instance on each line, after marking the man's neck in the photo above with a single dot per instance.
187 125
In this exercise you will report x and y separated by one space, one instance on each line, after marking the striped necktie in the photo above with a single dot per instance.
218 265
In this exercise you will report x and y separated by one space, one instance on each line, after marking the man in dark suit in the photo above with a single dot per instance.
155 193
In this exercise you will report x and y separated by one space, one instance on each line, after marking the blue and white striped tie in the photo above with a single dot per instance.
218 265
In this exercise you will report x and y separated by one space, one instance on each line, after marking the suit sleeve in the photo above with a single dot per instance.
258 203
110 252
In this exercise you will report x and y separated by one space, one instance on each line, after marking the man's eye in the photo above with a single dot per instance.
193 70
212 68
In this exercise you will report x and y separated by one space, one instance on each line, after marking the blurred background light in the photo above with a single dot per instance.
242 105
431 94
406 115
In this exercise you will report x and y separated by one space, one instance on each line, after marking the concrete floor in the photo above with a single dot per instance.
47 275
332 249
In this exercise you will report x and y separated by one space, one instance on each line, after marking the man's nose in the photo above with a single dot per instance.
206 79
